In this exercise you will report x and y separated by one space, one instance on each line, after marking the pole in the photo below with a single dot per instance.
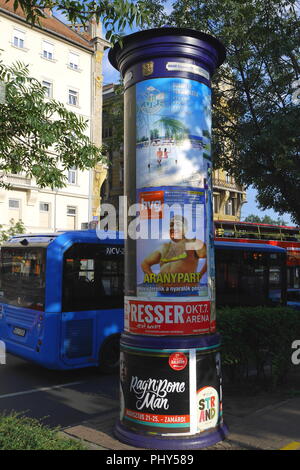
171 384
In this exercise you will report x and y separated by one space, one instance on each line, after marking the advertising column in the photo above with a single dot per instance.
170 320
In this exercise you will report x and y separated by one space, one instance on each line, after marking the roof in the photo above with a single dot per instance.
248 246
239 222
42 240
50 23
108 91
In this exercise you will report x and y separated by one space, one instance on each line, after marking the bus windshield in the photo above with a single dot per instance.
22 277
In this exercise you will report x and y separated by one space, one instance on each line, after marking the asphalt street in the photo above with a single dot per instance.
59 398
86 404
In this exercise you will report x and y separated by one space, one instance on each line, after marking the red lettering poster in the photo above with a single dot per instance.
160 317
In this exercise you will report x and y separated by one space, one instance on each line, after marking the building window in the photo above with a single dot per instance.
228 178
216 203
44 206
72 175
230 207
48 88
19 39
48 50
73 61
14 209
107 132
14 204
71 217
44 214
73 97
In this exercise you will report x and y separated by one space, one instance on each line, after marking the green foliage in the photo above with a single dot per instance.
256 337
14 229
113 118
264 220
18 432
40 137
256 118
115 16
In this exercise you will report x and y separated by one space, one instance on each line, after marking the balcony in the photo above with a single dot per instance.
223 184
17 181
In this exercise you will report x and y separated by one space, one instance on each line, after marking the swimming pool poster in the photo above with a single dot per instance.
173 132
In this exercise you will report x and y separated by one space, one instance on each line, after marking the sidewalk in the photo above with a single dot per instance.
272 427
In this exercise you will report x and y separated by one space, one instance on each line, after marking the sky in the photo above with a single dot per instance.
111 75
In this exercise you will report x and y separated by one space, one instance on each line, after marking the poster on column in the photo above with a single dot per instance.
156 403
173 293
174 246
173 132
170 391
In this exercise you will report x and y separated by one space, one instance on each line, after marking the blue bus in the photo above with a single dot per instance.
250 274
61 299
62 295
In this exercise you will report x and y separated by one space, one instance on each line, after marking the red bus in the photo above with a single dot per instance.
277 235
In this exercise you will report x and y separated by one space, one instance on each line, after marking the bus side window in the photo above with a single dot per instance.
92 280
113 283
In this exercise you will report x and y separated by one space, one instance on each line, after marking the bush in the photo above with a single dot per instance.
18 432
256 337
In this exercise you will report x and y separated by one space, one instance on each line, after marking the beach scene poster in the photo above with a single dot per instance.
173 132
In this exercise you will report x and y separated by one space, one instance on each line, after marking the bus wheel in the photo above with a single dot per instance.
109 356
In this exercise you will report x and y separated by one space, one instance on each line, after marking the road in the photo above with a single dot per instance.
60 398
86 402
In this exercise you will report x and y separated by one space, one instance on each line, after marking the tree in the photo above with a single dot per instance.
115 15
264 220
113 118
256 118
173 128
39 137
15 228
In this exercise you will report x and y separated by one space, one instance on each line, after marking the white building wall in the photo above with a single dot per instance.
62 77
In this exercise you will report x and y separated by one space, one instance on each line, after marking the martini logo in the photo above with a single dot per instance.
208 408
151 205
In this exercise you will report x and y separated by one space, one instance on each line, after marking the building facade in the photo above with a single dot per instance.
228 196
68 63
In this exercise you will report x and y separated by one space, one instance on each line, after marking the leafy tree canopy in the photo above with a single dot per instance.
256 117
39 137
266 219
115 15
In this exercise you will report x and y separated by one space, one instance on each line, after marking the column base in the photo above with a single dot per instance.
198 441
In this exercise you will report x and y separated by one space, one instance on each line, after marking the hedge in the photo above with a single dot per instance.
256 337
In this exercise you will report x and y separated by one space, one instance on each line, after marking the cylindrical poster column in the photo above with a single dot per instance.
171 395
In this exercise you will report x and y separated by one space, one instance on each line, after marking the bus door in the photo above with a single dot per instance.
92 300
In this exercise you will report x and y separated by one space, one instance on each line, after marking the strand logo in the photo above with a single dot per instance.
296 353
151 205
